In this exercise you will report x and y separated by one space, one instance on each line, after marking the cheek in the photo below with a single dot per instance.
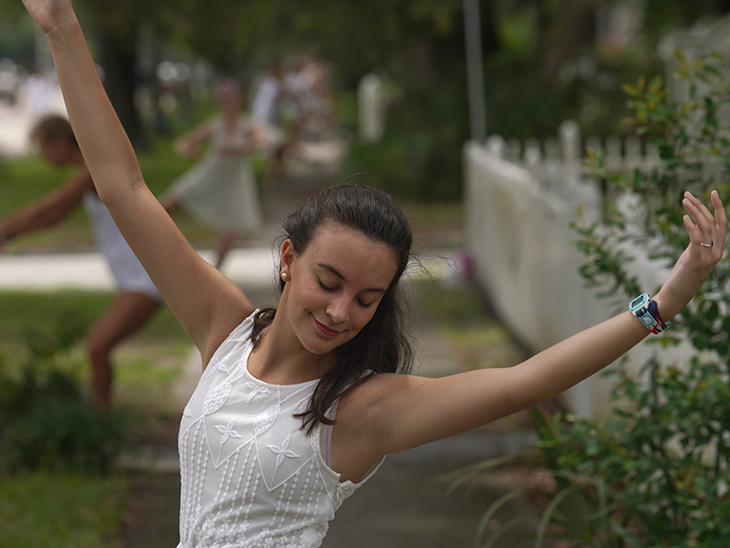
305 296
362 316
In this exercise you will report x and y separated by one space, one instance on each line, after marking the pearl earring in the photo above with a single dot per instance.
284 276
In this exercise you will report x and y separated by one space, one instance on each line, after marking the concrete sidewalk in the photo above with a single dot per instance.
90 270
249 266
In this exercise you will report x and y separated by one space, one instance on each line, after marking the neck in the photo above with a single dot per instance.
279 357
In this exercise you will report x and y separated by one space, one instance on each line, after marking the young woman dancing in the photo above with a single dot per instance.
297 408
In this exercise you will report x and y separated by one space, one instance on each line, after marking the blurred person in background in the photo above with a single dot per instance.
138 298
220 191
267 96
305 111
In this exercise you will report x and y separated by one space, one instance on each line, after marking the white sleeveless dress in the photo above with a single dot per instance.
128 272
220 190
251 477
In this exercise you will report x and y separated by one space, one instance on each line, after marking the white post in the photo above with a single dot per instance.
634 157
569 132
496 145
371 109
514 150
614 154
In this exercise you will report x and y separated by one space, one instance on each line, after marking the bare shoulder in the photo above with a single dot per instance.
378 388
238 308
361 434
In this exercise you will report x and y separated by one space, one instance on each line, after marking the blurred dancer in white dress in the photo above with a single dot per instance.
220 190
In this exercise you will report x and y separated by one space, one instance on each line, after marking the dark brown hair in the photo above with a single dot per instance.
382 346
52 128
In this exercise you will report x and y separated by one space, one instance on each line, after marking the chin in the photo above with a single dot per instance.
321 347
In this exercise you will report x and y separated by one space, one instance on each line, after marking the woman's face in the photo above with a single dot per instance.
230 101
335 285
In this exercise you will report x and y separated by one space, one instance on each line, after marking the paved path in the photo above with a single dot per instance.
252 267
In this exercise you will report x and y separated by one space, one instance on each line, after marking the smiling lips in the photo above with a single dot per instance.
324 329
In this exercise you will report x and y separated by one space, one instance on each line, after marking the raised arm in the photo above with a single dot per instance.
205 302
50 209
404 411
188 145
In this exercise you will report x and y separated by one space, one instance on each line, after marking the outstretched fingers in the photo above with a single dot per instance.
706 231
720 218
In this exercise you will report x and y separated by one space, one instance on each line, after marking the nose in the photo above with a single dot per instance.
339 309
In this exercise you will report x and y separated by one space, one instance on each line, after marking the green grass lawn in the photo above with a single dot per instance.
59 510
146 364
477 338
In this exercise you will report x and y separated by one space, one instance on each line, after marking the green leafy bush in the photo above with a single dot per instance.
45 421
654 472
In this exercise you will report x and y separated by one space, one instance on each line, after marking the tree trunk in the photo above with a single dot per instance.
572 30
118 60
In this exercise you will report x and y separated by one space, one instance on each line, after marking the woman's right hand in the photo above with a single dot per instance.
185 148
706 247
50 13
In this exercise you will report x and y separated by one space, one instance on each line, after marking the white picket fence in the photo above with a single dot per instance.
556 162
519 207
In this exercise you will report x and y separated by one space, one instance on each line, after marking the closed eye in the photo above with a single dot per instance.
325 287
330 289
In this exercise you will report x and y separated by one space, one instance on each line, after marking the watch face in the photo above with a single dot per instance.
638 302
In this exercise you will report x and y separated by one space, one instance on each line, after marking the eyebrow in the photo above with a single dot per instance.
340 276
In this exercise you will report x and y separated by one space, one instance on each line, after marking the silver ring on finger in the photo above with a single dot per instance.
711 244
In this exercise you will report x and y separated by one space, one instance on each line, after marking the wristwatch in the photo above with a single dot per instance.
646 310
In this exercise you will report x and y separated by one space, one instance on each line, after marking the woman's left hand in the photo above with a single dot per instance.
705 249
